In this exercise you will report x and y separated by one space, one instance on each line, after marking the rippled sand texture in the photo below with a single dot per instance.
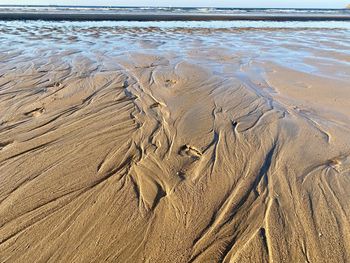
174 146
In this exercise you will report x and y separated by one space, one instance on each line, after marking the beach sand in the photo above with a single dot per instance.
150 145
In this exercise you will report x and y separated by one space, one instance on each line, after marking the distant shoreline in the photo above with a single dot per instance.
164 16
171 7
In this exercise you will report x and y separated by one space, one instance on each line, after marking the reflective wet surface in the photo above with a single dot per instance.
311 47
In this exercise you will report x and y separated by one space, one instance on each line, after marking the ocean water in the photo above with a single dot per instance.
203 10
226 25
187 24
184 10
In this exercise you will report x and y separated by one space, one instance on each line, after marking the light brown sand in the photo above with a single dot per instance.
156 158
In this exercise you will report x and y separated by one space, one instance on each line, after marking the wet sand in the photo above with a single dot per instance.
173 145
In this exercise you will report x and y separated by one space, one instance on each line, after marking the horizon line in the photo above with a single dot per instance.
131 6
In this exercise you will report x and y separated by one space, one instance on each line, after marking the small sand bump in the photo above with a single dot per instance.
5 144
36 112
155 105
170 83
190 151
